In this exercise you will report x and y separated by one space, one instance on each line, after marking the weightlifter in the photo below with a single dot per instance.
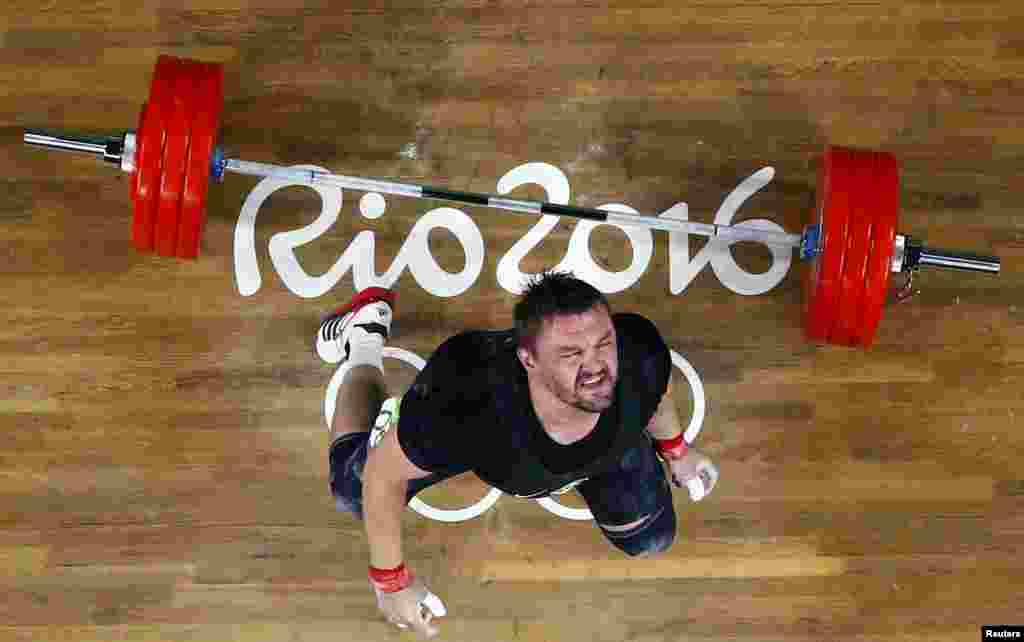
573 396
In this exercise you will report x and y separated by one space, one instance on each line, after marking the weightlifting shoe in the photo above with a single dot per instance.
369 311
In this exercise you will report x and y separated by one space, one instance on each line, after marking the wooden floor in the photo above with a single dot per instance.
164 469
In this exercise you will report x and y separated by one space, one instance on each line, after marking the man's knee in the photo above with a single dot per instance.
656 543
650 536
349 506
346 461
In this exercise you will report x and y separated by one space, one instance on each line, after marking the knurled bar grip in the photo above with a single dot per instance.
312 177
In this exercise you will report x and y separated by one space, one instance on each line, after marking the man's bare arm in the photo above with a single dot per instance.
689 468
385 479
665 422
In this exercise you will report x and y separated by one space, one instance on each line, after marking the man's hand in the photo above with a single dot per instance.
413 606
695 472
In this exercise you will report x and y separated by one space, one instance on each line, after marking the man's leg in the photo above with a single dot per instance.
360 396
355 335
632 504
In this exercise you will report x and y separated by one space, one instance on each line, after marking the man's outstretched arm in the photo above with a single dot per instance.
689 467
664 425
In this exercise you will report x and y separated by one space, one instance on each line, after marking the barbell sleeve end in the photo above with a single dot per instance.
115 150
110 149
919 255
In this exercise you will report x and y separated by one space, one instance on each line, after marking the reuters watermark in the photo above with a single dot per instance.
1002 632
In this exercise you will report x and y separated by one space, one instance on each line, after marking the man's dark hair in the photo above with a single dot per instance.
552 294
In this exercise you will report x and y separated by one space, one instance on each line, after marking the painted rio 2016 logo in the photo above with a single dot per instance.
491 498
360 256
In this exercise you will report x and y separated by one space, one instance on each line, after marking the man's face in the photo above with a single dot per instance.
576 358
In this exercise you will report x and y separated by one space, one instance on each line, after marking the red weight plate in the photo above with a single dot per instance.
887 206
822 280
178 106
205 128
134 178
147 138
149 154
846 326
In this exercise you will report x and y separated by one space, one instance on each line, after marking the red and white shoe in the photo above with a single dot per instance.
370 310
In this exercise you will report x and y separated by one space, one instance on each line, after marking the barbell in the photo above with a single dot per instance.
850 243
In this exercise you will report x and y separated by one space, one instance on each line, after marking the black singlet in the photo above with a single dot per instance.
470 410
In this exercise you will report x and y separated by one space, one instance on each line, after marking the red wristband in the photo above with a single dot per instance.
672 448
391 580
